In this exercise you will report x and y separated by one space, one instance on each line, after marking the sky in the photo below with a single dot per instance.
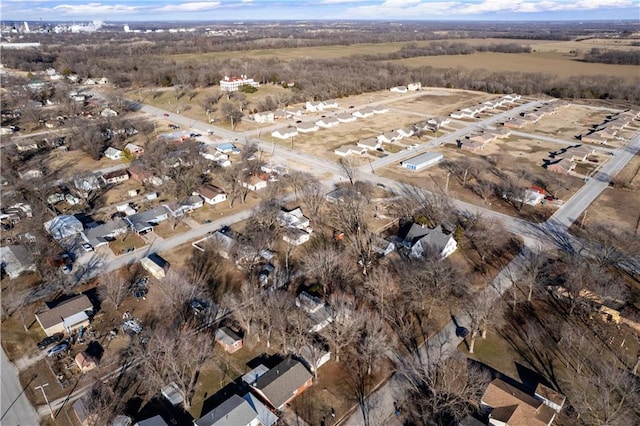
246 10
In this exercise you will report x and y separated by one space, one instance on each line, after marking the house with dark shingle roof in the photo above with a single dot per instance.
420 239
238 411
283 383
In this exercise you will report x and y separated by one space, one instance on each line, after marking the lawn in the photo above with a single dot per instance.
125 242
165 229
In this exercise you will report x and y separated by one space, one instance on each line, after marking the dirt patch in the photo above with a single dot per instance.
126 242
441 102
568 123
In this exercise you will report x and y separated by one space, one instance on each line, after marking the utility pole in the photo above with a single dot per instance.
41 387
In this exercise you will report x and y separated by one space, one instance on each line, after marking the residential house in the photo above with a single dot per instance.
232 84
501 133
389 137
103 80
264 117
483 138
63 226
345 117
315 354
369 144
156 420
319 314
283 383
331 105
66 316
26 145
280 114
594 137
254 183
15 260
227 148
285 133
580 152
420 239
307 127
563 166
346 150
116 176
339 194
381 246
133 149
414 87
211 194
437 122
101 235
87 184
423 160
144 222
247 410
174 137
511 98
213 154
139 173
293 219
86 362
327 122
406 132
295 236
108 112
508 405
228 339
379 109
296 112
549 397
189 204
253 375
472 146
314 106
399 89
515 123
363 113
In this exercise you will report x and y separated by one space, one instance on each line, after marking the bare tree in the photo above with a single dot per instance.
343 330
232 113
349 168
313 196
482 312
114 290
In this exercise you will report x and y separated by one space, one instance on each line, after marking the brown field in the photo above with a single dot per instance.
67 164
552 63
441 102
619 207
569 122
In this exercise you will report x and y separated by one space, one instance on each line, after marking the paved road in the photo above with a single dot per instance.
16 410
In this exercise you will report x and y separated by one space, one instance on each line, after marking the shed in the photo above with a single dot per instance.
423 160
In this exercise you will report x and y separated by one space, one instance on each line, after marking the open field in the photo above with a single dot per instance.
561 65
441 102
619 207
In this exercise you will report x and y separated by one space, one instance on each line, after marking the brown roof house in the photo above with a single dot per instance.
66 316
564 166
508 405
283 382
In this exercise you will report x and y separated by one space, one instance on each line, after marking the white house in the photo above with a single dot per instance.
327 122
331 105
369 144
379 109
420 239
346 150
389 137
295 236
264 117
232 84
211 194
307 127
293 219
254 183
113 153
363 113
345 117
399 89
406 132
414 87
285 133
314 106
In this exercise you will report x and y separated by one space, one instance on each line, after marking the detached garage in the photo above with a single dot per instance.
423 160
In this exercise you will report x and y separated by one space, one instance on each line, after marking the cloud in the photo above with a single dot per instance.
341 1
93 9
196 6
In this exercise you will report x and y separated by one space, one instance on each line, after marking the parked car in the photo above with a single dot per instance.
49 340
87 247
165 114
195 135
58 349
65 269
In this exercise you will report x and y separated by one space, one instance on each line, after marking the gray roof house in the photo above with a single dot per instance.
63 226
238 411
102 234
16 260
420 239
145 221
283 382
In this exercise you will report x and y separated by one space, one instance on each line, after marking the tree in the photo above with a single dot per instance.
349 169
482 312
232 113
344 328
444 392
313 196
380 284
114 290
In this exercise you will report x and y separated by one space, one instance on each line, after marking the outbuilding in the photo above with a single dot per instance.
423 160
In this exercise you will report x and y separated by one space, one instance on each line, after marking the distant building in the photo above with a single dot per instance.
423 160
232 84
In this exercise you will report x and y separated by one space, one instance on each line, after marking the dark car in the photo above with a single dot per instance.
462 332
165 114
48 341
195 135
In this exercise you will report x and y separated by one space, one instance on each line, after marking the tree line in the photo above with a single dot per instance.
614 57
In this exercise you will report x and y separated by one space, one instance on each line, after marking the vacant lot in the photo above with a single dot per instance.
570 122
441 102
